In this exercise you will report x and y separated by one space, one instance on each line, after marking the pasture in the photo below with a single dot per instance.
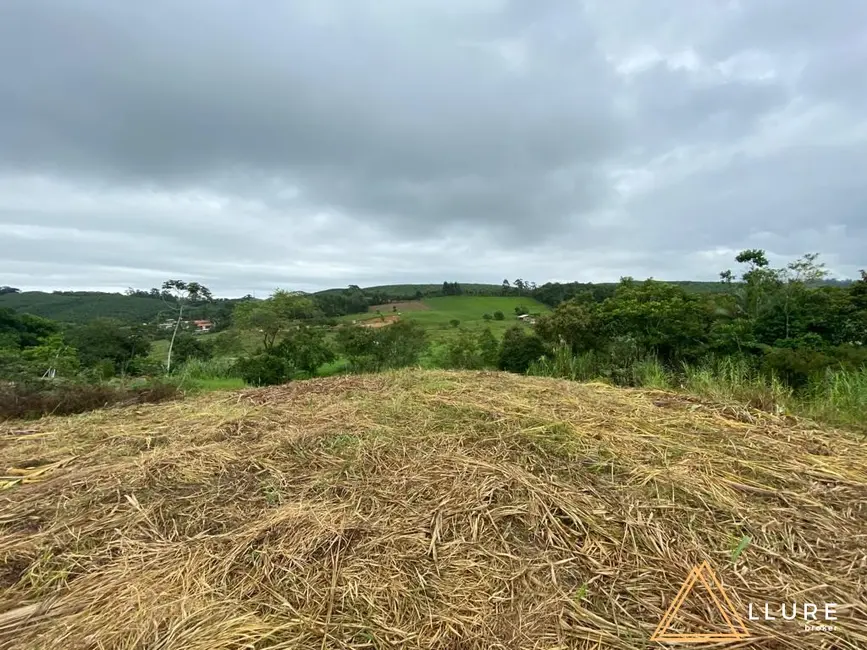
436 314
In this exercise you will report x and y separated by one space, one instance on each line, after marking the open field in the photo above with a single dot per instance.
437 313
410 289
421 509
407 305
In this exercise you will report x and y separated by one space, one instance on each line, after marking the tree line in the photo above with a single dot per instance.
787 323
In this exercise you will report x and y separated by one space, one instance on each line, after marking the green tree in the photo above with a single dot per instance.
487 317
661 318
274 316
489 349
797 277
52 357
184 295
760 281
454 322
109 340
306 349
189 346
519 349
578 325
264 369
372 349
498 315
463 352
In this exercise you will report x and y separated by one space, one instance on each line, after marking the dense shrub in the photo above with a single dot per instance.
306 349
190 346
38 398
519 349
463 352
489 348
798 365
498 315
373 349
264 369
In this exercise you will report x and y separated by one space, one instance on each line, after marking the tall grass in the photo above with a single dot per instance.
596 366
211 374
566 365
216 368
837 397
734 379
651 373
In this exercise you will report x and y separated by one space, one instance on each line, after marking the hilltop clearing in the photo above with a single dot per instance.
420 509
469 311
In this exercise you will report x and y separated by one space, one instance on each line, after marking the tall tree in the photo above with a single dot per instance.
797 277
275 315
183 294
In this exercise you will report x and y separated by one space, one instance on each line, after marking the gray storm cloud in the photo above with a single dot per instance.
314 144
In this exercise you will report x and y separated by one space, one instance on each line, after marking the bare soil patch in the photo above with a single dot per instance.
378 322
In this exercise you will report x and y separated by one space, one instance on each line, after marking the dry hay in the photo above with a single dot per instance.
421 510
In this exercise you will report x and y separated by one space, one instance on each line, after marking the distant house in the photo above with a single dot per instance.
527 318
203 325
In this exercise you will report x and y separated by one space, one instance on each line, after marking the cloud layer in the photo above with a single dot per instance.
318 143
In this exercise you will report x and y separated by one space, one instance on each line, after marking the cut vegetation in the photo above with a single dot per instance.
419 509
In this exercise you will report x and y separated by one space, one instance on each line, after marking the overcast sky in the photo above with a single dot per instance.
308 144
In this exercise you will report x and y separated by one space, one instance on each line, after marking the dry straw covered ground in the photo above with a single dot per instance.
422 510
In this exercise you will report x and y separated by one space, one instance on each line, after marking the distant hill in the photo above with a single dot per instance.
79 307
401 291
82 306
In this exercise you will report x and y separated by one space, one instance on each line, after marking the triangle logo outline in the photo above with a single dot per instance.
703 573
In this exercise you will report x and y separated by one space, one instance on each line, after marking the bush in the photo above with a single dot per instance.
218 368
498 315
228 342
797 366
305 349
735 379
839 396
487 316
463 353
39 398
100 371
189 346
454 322
264 369
565 364
519 349
489 349
373 349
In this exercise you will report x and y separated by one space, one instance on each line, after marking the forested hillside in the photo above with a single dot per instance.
79 307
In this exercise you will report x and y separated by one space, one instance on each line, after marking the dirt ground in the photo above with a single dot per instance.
410 305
